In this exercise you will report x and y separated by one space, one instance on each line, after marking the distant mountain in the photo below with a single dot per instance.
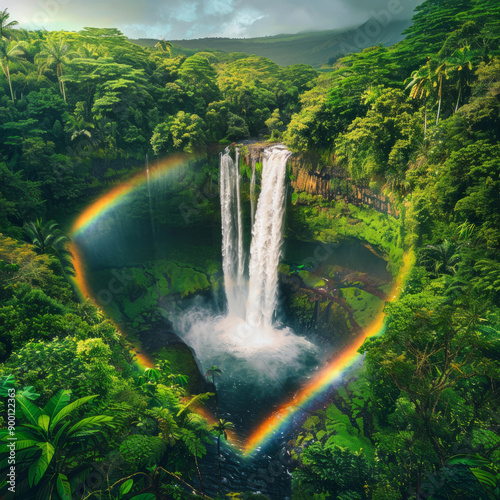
316 48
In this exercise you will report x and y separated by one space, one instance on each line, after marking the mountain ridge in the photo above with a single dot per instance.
316 48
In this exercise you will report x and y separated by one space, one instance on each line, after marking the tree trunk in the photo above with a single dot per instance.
425 119
216 399
419 480
61 83
439 111
440 94
198 468
10 83
63 91
458 100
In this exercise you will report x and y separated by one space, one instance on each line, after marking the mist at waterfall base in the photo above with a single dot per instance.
262 360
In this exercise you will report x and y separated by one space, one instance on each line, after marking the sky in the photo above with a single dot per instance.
184 19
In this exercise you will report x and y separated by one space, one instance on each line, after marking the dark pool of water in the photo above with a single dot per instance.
350 254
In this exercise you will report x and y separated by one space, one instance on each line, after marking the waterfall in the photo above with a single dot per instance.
243 340
267 239
232 234
241 262
252 194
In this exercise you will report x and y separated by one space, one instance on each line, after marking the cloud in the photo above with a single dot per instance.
218 7
239 25
178 19
186 12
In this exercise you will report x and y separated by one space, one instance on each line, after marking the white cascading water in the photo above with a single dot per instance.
267 237
246 332
241 259
232 234
267 240
252 195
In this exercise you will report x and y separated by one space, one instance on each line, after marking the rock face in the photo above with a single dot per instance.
311 176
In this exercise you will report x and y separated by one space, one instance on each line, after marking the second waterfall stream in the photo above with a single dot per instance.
257 301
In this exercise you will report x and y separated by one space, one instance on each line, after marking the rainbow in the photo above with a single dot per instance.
96 210
281 418
119 193
342 361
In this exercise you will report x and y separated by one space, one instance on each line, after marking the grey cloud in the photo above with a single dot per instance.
176 19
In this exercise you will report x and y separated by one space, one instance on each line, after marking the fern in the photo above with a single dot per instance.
489 275
140 451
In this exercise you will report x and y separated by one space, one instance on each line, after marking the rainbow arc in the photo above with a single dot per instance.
281 418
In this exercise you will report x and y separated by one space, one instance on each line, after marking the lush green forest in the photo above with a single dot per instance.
418 122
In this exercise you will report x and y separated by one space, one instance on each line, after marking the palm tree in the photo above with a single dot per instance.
440 259
10 52
421 87
77 126
46 237
213 372
56 52
461 61
88 51
6 26
441 73
221 429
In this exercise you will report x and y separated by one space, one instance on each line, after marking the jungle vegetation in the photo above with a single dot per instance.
418 121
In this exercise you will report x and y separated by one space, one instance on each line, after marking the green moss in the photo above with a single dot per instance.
311 280
311 422
301 304
307 438
284 268
344 434
359 421
157 282
133 309
364 305
185 280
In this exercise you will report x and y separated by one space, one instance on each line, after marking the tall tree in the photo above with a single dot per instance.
461 61
441 74
221 429
5 25
10 52
421 86
58 53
